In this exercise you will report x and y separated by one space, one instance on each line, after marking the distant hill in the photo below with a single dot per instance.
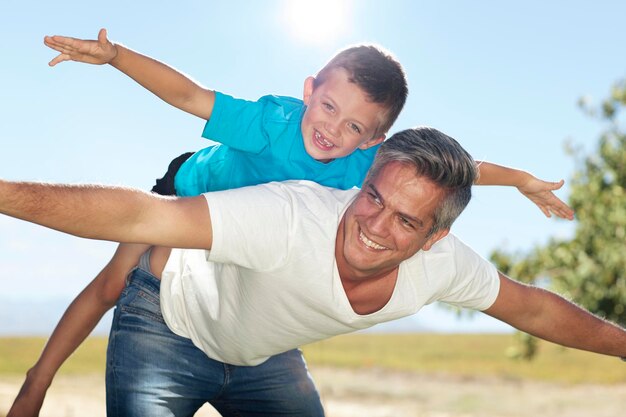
37 317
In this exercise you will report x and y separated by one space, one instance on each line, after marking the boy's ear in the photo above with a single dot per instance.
436 237
372 142
308 90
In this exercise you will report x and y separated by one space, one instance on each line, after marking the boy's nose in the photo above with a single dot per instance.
332 126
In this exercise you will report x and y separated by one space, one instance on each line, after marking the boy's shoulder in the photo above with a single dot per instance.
271 99
282 101
272 106
282 108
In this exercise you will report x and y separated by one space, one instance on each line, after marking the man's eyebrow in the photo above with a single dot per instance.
413 219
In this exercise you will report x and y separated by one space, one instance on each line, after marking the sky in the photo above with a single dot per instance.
503 78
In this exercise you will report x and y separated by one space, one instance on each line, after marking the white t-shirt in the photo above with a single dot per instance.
270 282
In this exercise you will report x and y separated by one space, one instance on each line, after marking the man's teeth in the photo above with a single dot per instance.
369 243
323 141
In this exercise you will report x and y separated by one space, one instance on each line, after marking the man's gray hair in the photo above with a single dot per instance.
437 157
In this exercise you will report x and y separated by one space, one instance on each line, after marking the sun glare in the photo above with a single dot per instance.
317 21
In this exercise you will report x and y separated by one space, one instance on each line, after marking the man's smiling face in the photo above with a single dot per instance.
388 222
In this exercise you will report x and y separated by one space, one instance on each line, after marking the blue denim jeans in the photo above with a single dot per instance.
153 372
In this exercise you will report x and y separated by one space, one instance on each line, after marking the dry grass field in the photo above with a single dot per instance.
385 375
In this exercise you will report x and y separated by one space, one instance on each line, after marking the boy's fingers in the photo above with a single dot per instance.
50 43
564 212
556 185
64 43
62 47
55 47
59 58
102 36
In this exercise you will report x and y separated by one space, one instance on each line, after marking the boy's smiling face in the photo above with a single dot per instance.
339 118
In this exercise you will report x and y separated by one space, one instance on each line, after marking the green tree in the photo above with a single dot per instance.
589 269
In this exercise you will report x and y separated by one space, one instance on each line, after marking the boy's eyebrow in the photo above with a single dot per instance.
334 103
414 219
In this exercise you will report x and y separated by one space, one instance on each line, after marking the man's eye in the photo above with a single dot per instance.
328 106
406 222
375 199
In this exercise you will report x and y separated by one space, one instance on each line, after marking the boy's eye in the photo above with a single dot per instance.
355 128
328 106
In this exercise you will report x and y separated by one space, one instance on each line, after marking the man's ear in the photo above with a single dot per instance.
371 142
436 237
308 90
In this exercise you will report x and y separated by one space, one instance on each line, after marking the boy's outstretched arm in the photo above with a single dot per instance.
538 191
170 85
76 324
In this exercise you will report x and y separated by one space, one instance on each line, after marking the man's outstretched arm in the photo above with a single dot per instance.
549 316
110 213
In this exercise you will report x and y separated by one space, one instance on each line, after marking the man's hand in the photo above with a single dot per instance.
541 193
98 52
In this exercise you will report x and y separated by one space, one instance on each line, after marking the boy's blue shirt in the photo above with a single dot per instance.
260 142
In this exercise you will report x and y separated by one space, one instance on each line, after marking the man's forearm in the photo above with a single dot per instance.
549 316
111 213
570 325
88 211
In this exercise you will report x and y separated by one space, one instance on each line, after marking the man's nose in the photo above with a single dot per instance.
379 223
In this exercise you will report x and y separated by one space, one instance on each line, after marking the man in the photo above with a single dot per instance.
287 264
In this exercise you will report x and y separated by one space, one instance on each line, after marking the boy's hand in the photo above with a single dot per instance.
98 52
541 193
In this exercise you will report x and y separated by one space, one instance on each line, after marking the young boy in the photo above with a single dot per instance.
329 137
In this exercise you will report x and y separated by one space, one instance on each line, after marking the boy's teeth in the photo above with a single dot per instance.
323 141
369 243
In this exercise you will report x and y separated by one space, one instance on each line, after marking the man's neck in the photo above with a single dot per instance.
369 295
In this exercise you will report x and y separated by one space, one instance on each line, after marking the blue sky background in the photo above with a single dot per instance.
503 78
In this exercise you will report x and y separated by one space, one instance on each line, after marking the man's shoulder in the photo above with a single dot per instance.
448 251
451 245
310 191
301 191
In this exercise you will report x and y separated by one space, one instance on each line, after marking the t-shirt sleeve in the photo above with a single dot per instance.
473 282
251 226
237 123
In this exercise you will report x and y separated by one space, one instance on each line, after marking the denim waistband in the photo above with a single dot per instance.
141 278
